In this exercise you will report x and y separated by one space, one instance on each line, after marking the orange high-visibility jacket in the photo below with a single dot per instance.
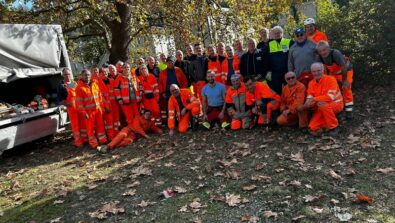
317 36
181 79
70 100
326 89
236 66
239 98
215 66
107 92
141 126
292 97
122 88
88 97
149 85
262 90
188 100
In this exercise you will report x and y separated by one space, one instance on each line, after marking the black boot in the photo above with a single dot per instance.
349 112
195 123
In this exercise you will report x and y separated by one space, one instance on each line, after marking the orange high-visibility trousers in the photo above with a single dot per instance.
324 116
130 111
109 125
347 92
266 118
115 111
300 117
123 138
153 106
75 127
94 127
184 119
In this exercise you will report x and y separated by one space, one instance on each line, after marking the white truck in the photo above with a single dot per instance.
31 60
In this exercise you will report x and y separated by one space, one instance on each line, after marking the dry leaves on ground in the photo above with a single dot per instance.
270 214
180 190
261 178
249 187
364 199
144 203
106 209
298 157
334 175
385 170
141 171
131 192
250 218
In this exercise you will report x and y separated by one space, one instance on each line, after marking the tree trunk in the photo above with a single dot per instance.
120 35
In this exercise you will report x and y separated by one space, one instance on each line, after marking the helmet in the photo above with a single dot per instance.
309 21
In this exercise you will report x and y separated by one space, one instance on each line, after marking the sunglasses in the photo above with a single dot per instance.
299 35
290 78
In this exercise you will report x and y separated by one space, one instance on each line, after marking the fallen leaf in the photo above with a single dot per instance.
183 209
15 185
279 170
144 203
224 163
297 218
385 170
310 198
334 201
334 175
56 220
298 157
260 166
130 193
270 214
159 183
262 146
233 174
141 171
169 164
134 184
180 190
58 202
349 171
249 218
232 200
195 205
364 199
318 210
249 187
105 209
242 145
295 183
93 186
217 197
262 178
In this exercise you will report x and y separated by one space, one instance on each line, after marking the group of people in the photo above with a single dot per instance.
277 81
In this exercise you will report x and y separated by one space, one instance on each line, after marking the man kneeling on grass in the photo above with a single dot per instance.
213 96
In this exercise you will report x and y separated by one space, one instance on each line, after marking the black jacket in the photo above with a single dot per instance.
255 64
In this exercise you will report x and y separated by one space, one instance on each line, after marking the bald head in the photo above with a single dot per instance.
175 90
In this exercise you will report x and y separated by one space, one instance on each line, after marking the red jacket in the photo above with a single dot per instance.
122 88
149 86
181 79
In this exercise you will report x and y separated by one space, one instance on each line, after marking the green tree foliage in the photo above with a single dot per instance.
362 29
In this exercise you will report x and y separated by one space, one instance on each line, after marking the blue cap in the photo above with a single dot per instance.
299 30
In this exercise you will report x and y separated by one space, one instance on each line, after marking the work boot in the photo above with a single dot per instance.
206 125
316 133
102 149
333 132
195 123
349 109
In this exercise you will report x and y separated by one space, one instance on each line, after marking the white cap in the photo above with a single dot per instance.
309 21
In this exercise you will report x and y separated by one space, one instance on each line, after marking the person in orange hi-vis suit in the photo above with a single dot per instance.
144 124
324 96
127 93
265 100
230 66
150 93
115 107
106 87
125 137
239 104
66 97
90 109
338 66
182 105
292 100
214 64
312 33
170 75
95 73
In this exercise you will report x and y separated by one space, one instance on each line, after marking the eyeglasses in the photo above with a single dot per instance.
299 35
290 78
